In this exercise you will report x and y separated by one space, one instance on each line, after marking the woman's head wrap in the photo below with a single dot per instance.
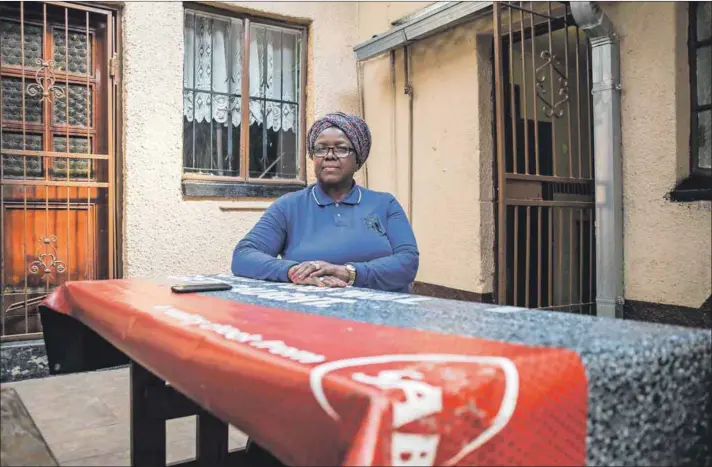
353 127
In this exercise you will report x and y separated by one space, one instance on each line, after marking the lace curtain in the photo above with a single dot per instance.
212 72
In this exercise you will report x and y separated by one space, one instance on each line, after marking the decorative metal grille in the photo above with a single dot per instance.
56 172
545 216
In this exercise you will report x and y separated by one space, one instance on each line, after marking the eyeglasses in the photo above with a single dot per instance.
340 152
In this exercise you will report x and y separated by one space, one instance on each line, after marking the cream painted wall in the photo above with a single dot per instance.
452 205
452 198
376 17
668 246
163 233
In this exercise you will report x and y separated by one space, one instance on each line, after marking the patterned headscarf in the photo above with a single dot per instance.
352 125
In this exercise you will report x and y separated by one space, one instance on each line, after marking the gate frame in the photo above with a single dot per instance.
499 81
114 124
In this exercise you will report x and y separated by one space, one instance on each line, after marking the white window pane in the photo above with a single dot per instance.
220 54
257 60
188 49
226 55
203 52
290 64
274 64
211 104
236 41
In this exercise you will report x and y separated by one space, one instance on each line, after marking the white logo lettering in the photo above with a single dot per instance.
421 399
408 449
233 334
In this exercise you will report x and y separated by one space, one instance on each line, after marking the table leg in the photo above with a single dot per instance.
212 440
148 434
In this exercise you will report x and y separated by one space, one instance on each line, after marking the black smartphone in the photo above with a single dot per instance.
210 287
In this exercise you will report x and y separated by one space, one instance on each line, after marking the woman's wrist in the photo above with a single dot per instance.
342 273
290 271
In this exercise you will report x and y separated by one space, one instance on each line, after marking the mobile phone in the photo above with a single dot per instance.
209 287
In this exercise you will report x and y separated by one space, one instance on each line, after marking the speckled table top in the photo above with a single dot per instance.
649 401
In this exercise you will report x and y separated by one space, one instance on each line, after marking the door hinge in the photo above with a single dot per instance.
113 66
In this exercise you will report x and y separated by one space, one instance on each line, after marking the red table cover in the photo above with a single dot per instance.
317 390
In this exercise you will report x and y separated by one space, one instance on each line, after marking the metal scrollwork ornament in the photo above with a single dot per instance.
45 78
556 109
46 262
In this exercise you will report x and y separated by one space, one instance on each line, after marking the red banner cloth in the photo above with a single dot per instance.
317 390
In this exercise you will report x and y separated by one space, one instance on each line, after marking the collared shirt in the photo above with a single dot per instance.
367 229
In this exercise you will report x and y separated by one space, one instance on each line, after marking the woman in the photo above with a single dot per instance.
333 233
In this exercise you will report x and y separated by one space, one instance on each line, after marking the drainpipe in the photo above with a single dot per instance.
362 110
605 70
394 126
409 92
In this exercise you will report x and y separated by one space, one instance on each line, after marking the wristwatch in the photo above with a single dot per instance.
352 273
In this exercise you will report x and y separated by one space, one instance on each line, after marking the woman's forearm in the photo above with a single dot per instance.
391 273
255 256
397 271
248 261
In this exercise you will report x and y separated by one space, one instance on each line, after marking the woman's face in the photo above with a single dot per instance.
330 169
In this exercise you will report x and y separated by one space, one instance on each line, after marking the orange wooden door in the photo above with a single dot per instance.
57 153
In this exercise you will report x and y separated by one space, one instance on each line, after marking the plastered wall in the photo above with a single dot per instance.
164 233
451 207
668 246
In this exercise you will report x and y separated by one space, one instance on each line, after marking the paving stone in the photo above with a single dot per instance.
85 419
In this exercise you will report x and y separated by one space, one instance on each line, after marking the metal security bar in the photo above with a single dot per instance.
545 216
57 153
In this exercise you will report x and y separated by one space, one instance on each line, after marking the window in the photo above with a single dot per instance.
701 87
242 105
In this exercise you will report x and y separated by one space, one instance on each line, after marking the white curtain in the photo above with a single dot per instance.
213 60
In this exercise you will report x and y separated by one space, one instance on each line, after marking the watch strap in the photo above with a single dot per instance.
352 274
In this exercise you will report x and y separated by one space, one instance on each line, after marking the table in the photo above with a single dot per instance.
357 377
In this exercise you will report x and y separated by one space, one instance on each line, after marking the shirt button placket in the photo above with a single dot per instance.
338 218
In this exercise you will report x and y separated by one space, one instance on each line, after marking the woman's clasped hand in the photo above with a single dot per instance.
319 273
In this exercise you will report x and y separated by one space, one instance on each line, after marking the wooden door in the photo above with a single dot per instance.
57 141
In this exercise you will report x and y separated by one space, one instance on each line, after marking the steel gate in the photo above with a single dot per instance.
57 199
545 215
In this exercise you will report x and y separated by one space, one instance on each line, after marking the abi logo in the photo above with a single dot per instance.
444 406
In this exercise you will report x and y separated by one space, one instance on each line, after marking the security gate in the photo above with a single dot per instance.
57 71
545 224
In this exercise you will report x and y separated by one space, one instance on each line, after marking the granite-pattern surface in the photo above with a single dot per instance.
23 360
649 400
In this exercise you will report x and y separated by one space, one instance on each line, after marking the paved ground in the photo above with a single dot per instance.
85 419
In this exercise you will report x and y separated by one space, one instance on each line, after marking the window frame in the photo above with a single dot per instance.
221 186
695 107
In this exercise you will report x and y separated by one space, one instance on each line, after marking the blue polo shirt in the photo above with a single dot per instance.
367 229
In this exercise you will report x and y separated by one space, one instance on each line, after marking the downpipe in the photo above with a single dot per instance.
608 171
409 92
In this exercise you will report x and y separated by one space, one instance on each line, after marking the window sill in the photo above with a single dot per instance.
236 189
693 188
247 206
